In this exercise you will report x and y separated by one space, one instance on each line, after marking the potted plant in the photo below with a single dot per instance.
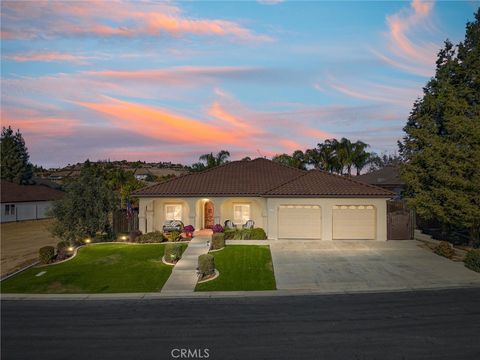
189 229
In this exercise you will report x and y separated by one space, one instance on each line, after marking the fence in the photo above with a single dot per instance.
122 224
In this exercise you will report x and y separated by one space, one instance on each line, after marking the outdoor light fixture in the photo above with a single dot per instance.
70 248
88 241
124 237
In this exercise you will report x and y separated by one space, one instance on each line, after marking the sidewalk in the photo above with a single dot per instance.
184 275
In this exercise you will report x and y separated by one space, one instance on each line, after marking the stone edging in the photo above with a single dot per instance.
217 274
165 262
209 251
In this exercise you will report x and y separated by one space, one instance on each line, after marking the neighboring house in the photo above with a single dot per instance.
387 178
26 202
288 203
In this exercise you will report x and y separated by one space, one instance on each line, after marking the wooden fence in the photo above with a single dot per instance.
122 224
400 221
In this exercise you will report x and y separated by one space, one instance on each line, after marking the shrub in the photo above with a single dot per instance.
62 247
133 235
243 234
217 228
444 249
173 252
258 234
152 237
218 241
46 254
472 260
174 236
104 238
206 265
229 234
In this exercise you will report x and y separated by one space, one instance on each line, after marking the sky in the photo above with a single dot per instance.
169 81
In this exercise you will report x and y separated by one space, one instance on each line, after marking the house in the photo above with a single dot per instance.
387 178
26 202
288 203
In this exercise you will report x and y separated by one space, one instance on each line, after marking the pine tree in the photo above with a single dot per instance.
15 165
441 148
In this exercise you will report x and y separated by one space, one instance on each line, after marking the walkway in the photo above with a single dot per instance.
184 275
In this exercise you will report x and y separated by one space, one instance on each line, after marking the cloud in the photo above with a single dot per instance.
105 19
414 56
47 57
270 2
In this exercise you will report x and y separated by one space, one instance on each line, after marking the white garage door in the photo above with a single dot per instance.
300 222
354 222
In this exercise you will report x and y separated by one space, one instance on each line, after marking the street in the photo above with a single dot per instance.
442 324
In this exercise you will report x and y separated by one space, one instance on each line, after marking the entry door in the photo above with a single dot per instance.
300 222
209 217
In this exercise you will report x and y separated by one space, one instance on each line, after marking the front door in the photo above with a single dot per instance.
209 219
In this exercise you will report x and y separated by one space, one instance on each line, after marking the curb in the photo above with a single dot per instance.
219 294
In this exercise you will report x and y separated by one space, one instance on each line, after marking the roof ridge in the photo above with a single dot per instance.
354 181
286 182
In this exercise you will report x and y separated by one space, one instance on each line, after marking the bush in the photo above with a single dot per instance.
62 247
152 237
173 252
104 238
46 254
133 235
217 228
472 260
258 234
243 234
173 236
206 265
189 229
229 234
444 249
218 241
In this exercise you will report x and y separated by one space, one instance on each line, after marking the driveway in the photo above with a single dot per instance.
349 266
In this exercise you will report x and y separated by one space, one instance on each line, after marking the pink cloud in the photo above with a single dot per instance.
46 57
401 51
122 19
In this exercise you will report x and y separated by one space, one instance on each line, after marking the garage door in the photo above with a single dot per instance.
354 222
300 222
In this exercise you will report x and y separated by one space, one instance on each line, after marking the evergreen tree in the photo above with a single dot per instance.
15 165
84 210
441 147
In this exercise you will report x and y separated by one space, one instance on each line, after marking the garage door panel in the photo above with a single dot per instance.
354 222
299 222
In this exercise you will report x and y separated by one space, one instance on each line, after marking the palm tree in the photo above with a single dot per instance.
210 160
360 157
297 159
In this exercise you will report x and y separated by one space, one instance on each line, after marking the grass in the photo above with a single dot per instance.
103 268
242 268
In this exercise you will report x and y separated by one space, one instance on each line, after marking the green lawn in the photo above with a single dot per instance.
242 268
103 268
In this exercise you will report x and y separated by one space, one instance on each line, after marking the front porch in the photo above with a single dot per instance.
202 213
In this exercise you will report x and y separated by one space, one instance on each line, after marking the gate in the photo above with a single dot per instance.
400 221
121 223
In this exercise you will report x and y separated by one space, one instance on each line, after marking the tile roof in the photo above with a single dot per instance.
261 177
11 192
319 183
389 175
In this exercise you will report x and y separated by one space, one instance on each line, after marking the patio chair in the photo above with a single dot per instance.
249 224
172 225
230 225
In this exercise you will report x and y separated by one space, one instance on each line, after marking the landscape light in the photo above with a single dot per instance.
124 237
70 248
88 241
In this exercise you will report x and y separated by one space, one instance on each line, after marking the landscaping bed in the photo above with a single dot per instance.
102 268
242 268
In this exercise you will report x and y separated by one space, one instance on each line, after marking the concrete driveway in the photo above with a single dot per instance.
344 266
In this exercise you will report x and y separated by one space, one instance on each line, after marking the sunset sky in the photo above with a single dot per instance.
169 81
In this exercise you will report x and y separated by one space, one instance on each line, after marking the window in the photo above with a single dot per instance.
241 213
9 210
173 212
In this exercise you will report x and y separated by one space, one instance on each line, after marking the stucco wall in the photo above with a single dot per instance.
27 211
327 209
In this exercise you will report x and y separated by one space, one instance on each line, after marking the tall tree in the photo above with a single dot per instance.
15 165
297 159
85 208
442 142
360 157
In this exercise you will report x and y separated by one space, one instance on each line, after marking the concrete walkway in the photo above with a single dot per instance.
184 275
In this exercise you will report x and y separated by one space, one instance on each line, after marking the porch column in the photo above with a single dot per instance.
192 211
217 205
149 216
